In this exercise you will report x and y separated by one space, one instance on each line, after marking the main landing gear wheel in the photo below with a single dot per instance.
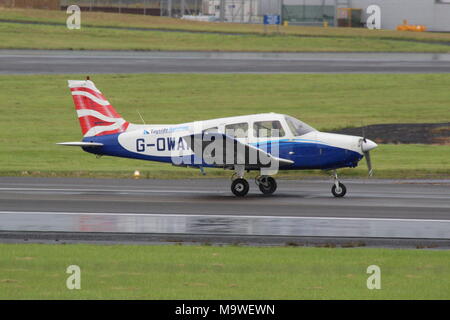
240 187
267 185
339 191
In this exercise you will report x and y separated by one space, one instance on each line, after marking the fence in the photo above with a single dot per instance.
32 4
303 12
242 11
146 7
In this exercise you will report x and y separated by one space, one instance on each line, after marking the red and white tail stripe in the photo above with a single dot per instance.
96 115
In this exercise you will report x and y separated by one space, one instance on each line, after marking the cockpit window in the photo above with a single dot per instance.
298 127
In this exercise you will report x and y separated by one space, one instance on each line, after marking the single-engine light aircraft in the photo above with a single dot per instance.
265 142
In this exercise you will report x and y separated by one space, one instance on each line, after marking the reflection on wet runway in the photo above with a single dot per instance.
224 225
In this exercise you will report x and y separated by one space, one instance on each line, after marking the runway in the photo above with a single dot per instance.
136 210
95 62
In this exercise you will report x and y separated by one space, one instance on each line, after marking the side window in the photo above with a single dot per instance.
264 129
211 130
237 130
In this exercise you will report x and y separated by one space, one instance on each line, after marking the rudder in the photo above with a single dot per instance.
96 115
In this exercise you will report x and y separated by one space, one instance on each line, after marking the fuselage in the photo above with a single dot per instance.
292 139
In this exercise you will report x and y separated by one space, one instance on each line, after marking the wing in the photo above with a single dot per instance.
220 150
81 144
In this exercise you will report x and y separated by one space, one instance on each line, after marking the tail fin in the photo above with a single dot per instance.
96 115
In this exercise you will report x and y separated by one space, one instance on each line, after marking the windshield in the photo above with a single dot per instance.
297 127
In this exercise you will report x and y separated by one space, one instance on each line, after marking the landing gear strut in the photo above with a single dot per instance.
266 184
338 190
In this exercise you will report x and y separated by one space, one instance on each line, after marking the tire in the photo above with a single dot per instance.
240 187
270 187
339 193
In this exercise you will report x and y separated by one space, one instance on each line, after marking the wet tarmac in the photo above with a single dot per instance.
412 209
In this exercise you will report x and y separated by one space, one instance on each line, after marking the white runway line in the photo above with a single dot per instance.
106 190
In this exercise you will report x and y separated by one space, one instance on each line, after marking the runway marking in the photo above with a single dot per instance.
103 190
407 195
219 216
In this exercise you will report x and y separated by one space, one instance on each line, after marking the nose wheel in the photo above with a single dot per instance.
338 189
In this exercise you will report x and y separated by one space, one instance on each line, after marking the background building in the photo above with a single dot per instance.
434 14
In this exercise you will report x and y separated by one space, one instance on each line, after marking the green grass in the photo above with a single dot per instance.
23 36
93 35
34 271
38 111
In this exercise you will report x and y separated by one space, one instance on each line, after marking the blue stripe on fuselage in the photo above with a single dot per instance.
112 147
306 155
311 155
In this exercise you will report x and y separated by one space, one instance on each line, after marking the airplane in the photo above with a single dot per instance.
266 142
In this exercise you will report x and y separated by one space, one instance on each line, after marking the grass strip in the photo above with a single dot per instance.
37 271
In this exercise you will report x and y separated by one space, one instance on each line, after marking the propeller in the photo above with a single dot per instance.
369 162
366 146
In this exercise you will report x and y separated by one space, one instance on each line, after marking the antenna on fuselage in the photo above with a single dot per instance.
141 117
363 129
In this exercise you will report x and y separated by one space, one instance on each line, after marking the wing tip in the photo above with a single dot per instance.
80 144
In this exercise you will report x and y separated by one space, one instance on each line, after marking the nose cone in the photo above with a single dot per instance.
368 145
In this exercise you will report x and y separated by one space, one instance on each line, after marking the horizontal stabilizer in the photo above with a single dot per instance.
81 144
